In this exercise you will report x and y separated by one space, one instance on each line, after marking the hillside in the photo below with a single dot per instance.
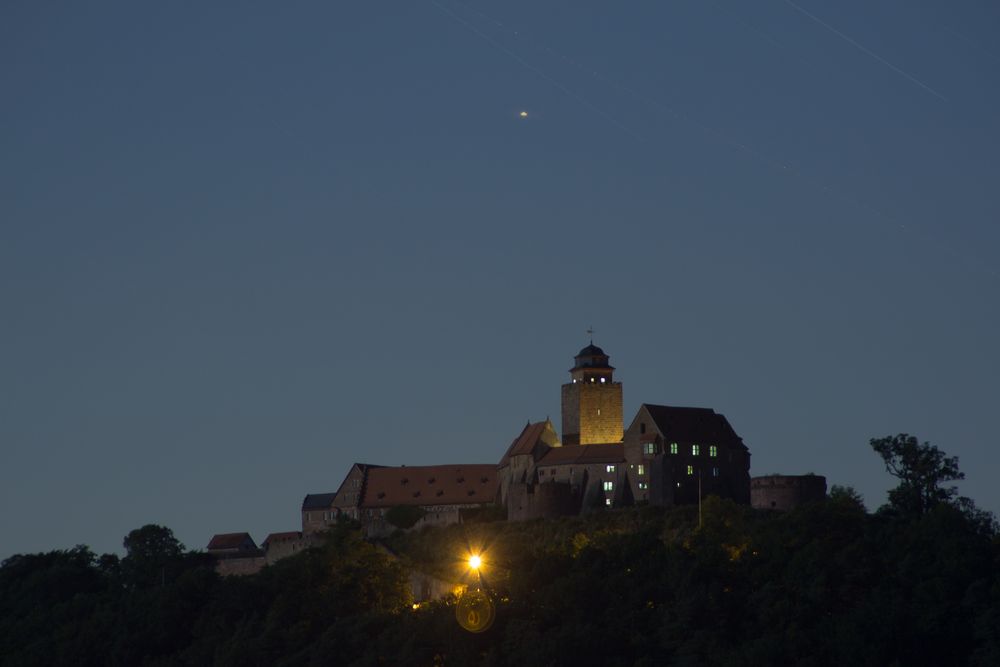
827 584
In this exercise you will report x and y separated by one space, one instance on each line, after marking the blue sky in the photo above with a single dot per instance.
245 245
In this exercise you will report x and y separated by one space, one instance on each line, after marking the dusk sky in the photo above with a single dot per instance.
244 245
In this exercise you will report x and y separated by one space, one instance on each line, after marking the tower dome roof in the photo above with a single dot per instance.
591 351
591 357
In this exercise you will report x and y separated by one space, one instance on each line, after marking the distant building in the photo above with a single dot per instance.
786 492
591 400
368 492
668 455
677 455
235 553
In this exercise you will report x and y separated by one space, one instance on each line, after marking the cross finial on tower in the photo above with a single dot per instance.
590 332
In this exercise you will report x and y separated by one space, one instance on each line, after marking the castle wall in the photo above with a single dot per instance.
786 492
240 565
543 501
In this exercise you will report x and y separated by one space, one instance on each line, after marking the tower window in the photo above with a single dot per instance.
713 451
649 448
715 472
643 486
610 468
607 501
598 412
690 470
673 447
609 486
642 469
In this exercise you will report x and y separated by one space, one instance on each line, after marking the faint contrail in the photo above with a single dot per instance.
975 45
869 52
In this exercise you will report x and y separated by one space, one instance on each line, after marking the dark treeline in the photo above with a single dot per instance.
915 583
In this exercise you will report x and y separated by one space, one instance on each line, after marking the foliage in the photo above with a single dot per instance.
826 584
404 516
921 471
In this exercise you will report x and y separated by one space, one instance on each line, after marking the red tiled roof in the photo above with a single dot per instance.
231 541
278 537
430 485
524 443
583 454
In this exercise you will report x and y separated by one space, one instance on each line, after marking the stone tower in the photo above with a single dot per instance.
591 401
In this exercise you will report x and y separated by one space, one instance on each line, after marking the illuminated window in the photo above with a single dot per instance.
607 501
690 470
715 472
695 450
673 447
609 486
602 380
610 468
642 469
643 485
649 448
713 450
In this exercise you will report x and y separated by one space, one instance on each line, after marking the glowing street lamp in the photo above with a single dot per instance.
475 562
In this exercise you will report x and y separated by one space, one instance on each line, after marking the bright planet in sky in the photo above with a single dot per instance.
523 114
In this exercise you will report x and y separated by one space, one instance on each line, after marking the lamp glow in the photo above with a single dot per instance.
475 561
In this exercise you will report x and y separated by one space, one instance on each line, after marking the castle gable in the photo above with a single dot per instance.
534 440
690 425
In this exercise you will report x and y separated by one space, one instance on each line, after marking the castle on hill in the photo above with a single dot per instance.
665 456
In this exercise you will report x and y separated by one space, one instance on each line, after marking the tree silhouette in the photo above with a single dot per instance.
922 470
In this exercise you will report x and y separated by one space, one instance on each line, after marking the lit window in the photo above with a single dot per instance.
649 448
690 470
678 485
591 379
609 486
713 450
642 469
695 450
643 485
602 380
598 412
610 468
715 472
673 447
607 501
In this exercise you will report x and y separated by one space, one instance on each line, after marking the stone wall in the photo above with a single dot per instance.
591 413
543 501
786 492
